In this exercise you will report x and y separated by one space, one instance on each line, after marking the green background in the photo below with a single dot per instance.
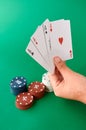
18 21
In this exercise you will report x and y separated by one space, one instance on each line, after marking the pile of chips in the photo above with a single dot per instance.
46 82
27 94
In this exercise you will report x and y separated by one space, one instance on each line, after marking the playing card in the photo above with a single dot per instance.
46 32
47 28
33 52
38 40
60 36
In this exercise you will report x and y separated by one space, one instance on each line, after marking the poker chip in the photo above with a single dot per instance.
24 100
37 89
18 85
46 82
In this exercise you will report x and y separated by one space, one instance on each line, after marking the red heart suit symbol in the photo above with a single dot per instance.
60 40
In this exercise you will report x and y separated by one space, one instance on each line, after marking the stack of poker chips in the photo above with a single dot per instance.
24 100
25 96
46 82
37 89
18 85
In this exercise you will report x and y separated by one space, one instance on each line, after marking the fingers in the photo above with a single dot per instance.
57 79
60 77
57 83
61 66
54 79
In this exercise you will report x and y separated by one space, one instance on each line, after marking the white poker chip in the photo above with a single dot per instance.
46 82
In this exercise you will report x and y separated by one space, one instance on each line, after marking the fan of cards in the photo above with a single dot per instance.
52 38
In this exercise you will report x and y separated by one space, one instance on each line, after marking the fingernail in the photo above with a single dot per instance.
57 59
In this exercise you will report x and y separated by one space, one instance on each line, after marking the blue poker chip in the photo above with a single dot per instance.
18 82
18 85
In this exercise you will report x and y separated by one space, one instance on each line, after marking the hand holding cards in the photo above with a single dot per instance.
49 40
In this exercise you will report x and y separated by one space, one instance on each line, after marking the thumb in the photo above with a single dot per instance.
60 65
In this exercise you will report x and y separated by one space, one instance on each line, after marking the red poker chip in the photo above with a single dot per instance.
24 100
37 89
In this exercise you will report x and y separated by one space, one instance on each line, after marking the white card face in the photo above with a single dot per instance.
33 52
46 29
39 41
60 36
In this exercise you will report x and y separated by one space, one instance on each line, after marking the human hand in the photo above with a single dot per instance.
67 83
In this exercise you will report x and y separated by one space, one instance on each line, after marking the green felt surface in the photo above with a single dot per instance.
18 21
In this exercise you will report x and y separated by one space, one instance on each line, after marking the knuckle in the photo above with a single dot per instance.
61 65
